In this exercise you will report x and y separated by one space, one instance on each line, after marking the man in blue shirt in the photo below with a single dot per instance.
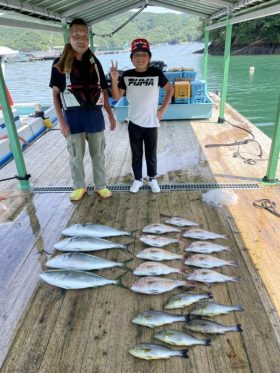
79 93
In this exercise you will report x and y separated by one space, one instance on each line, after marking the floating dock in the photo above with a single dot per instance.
47 329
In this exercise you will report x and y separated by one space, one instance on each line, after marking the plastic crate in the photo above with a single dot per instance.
199 100
182 89
198 88
173 75
121 109
179 100
188 74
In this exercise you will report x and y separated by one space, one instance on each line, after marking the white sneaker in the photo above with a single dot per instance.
136 186
154 185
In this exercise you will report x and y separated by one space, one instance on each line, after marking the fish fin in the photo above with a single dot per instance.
239 328
208 342
119 278
184 353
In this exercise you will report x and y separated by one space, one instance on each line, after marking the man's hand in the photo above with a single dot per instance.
64 128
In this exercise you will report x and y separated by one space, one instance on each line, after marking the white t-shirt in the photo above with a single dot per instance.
142 91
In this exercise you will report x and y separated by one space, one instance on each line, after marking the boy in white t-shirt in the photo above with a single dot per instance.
141 86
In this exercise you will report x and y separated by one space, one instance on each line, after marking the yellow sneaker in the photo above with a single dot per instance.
104 193
77 194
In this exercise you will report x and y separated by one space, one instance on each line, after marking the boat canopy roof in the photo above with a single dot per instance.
49 14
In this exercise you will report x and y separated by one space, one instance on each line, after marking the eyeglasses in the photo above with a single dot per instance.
79 35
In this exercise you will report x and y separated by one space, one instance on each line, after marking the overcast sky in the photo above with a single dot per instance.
156 9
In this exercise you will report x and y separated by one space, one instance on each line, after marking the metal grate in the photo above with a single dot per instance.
163 187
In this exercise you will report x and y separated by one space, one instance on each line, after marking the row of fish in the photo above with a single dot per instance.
202 306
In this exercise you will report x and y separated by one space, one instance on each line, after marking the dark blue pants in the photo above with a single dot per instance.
139 136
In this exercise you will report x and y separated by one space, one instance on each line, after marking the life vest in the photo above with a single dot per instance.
79 93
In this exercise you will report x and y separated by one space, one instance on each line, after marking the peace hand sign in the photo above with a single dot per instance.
114 70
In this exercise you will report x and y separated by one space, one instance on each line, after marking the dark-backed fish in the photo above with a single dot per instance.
152 318
213 309
178 338
150 351
210 327
182 300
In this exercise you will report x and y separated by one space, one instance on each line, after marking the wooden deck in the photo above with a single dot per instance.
47 329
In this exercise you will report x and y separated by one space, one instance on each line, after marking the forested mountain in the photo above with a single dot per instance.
157 28
257 36
260 36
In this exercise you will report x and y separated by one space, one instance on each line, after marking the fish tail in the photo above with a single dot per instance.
210 295
235 278
124 265
184 270
239 308
232 263
188 317
239 328
208 342
184 353
227 248
119 278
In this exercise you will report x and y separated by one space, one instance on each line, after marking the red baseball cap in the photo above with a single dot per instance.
140 45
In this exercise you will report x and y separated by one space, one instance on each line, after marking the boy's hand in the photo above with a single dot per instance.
114 70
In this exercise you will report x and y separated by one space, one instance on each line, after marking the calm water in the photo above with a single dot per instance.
255 96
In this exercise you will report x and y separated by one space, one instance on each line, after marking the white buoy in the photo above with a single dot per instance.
252 69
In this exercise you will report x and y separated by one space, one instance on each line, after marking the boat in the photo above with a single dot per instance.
48 329
31 119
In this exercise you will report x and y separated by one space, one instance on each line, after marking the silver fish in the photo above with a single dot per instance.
209 276
210 327
156 269
180 222
159 229
70 279
157 241
207 261
86 244
201 234
213 309
204 247
82 261
93 230
157 285
150 351
155 254
178 338
151 319
185 299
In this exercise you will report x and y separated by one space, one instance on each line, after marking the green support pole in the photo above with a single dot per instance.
91 40
205 59
274 152
226 70
12 133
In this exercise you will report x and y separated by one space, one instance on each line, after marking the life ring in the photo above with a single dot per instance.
9 98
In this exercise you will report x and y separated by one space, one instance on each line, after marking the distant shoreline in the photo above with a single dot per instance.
265 49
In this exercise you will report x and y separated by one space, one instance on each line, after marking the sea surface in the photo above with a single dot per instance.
254 95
